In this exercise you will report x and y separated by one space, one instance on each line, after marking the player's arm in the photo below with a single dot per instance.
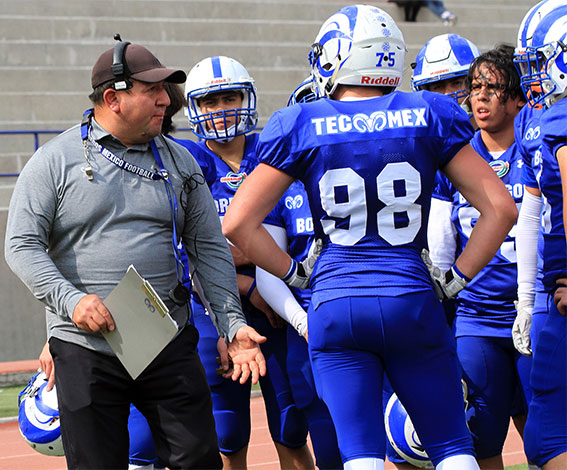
486 192
441 235
562 161
560 296
277 293
242 224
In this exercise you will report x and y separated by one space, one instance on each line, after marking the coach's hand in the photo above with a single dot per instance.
91 315
247 359
522 326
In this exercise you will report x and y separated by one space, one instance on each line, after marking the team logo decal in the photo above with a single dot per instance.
234 180
532 133
500 168
294 202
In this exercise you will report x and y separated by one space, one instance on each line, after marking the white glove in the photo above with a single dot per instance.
298 274
446 284
522 326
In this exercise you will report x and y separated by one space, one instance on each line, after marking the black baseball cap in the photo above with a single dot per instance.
139 64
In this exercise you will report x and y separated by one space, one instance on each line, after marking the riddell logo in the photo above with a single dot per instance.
439 72
386 81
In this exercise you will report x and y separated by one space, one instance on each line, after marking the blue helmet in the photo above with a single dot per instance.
531 20
543 64
358 45
214 75
305 92
443 57
38 417
402 434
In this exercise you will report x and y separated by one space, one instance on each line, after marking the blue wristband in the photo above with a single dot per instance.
461 274
291 270
252 287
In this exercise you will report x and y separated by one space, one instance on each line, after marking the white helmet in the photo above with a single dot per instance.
531 20
443 57
544 63
38 417
305 92
402 435
214 75
358 45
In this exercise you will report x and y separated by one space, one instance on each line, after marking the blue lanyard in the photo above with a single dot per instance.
181 260
111 157
177 243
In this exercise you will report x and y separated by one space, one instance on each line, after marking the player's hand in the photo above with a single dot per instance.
248 360
299 273
91 315
522 326
46 365
560 296
446 284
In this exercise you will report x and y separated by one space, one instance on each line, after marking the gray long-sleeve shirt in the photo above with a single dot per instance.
67 236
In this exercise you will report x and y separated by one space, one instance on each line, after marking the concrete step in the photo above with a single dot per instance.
289 9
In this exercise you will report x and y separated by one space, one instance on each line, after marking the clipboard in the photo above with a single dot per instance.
143 324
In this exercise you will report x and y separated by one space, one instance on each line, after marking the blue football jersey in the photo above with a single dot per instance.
527 134
368 168
293 214
554 136
222 181
486 306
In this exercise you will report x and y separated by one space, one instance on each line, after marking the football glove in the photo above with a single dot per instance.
298 274
522 326
446 284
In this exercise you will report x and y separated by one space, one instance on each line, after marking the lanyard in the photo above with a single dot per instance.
181 260
177 243
111 157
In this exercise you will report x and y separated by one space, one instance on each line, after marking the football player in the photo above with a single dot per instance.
367 156
221 107
291 225
544 68
532 299
442 65
485 308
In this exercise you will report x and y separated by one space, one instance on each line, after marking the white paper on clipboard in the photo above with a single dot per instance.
143 324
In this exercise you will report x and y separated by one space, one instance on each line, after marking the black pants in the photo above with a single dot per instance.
95 391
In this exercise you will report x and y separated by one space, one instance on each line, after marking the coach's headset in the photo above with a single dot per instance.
119 66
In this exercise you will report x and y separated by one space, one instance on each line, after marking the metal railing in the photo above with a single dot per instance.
37 132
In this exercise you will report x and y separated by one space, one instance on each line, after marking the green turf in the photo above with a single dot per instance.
9 400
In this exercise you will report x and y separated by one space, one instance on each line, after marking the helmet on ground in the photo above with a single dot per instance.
358 45
443 57
38 417
305 92
215 75
543 65
402 434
